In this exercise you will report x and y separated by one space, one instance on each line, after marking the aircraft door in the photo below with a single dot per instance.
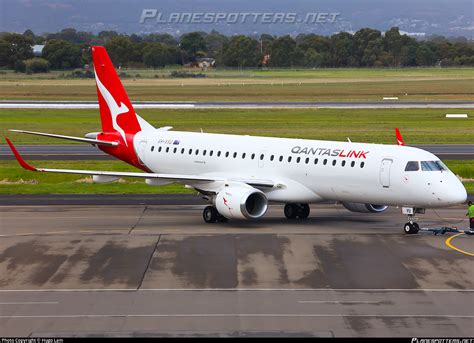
385 168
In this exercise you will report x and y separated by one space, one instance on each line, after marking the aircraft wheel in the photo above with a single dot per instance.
222 219
291 212
411 228
303 211
210 214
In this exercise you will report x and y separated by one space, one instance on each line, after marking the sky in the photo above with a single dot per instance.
449 18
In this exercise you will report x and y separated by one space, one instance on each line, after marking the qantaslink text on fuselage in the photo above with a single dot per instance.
329 152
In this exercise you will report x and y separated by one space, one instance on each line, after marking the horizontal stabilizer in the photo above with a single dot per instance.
71 138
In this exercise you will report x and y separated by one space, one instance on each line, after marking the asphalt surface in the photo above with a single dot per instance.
209 105
88 152
146 270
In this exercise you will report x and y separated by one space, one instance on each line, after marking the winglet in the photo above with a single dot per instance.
19 158
399 137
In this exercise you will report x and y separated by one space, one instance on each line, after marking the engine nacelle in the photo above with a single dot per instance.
364 208
241 203
104 178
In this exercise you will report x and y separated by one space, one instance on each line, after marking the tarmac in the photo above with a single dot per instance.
156 269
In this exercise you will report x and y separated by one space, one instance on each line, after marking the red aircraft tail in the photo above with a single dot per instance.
116 110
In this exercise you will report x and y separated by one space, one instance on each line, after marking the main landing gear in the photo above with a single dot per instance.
211 215
293 211
412 227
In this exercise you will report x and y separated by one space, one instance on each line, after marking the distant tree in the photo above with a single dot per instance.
84 37
20 47
241 51
368 44
343 50
425 56
266 41
120 49
214 43
192 43
164 38
105 36
284 52
156 55
4 53
28 33
69 35
62 54
36 65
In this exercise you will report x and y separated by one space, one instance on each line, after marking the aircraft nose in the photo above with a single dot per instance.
456 194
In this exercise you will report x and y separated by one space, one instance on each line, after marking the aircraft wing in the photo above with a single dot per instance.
71 138
169 177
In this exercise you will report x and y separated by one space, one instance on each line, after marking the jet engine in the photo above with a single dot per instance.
241 202
364 208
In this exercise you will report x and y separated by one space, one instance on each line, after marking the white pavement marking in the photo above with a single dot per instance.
31 303
337 302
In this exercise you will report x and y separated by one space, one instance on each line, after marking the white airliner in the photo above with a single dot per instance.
239 175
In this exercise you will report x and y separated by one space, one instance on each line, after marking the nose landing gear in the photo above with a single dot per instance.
412 227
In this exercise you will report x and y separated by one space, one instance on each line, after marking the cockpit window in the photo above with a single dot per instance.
412 166
432 166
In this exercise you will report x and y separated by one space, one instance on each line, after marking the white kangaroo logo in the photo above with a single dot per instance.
114 108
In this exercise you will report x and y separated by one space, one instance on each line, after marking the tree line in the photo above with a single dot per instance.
365 48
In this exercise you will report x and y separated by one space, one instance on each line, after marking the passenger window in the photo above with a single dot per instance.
152 148
197 151
298 160
168 149
182 151
190 151
204 153
289 158
272 157
253 156
307 160
227 154
174 150
333 162
412 166
343 163
243 155
362 164
325 161
235 154
281 158
316 160
159 149
218 154
353 163
211 152
261 157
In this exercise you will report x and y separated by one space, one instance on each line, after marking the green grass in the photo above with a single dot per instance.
460 72
410 84
26 182
361 125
